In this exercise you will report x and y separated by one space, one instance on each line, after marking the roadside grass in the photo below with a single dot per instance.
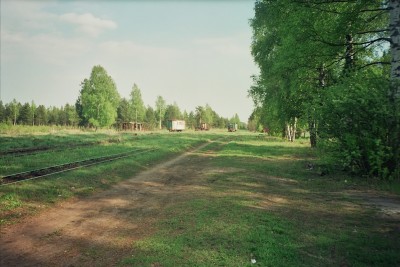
262 202
28 197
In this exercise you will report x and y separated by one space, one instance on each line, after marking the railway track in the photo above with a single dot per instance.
38 173
27 151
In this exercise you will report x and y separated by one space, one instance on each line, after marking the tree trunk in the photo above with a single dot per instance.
160 119
288 132
394 27
312 126
394 91
312 122
349 56
291 130
322 76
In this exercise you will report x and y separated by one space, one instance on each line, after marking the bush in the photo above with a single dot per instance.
354 120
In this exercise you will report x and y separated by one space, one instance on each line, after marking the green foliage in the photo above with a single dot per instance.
191 120
321 65
137 108
99 105
123 111
2 111
235 119
150 118
14 109
99 99
9 201
355 119
41 115
160 110
72 115
172 112
207 115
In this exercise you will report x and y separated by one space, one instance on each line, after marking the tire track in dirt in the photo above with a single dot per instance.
99 230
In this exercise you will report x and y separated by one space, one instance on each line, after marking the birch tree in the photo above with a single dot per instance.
160 110
137 107
99 99
33 112
317 54
123 111
394 92
14 107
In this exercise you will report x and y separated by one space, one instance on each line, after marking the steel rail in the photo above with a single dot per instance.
18 177
27 151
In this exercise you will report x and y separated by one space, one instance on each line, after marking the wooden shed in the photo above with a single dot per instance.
132 126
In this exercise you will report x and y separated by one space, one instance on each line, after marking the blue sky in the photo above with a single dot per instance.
190 52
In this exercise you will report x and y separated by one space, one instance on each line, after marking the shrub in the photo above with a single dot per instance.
354 119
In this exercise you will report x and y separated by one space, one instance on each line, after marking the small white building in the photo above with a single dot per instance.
176 125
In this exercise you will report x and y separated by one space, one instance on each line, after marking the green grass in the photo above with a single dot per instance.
254 198
202 232
268 206
28 197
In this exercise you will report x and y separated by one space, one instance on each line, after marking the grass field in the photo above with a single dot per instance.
27 198
251 198
269 207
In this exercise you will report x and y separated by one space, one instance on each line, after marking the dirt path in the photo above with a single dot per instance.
100 230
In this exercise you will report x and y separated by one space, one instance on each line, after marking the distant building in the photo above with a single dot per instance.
176 125
132 126
232 127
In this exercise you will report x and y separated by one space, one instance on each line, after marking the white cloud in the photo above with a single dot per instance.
26 15
11 37
49 48
89 24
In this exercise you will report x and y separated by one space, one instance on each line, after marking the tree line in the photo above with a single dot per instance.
331 68
99 105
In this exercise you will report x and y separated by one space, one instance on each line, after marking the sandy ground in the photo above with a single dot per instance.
99 230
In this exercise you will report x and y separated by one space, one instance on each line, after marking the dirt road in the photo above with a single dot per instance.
99 230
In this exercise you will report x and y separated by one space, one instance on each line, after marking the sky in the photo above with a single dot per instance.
191 53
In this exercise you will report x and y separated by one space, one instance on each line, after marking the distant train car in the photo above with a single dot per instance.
176 125
232 127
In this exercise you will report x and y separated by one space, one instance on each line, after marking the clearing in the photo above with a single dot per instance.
222 203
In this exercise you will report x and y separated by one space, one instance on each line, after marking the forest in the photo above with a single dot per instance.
99 105
331 67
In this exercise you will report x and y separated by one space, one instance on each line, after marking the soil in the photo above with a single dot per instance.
100 230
